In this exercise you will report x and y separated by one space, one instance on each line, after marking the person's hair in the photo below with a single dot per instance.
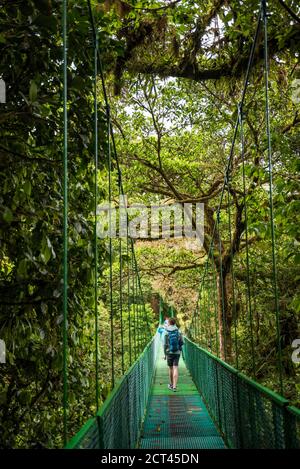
172 322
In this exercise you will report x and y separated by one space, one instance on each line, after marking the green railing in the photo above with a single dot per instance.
119 420
247 414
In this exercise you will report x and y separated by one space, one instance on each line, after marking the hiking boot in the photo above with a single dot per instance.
170 387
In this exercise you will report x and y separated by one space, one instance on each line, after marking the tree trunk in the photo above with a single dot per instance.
225 307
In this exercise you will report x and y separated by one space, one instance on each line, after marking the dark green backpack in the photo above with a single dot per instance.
174 343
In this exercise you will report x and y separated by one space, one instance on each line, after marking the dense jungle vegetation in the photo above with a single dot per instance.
174 72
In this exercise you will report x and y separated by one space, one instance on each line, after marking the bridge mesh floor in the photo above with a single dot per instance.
177 420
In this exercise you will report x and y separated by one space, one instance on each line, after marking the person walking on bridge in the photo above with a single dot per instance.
162 330
173 343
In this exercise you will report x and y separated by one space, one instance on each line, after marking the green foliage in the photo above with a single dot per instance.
31 208
175 138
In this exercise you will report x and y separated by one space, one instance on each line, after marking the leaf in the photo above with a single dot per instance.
33 91
45 250
7 215
27 188
57 293
3 397
78 83
24 397
22 268
297 258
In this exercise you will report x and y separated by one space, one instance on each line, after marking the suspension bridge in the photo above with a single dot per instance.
216 405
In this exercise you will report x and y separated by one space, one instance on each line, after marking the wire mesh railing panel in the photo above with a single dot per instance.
247 414
115 416
292 427
118 422
87 437
121 416
226 380
261 416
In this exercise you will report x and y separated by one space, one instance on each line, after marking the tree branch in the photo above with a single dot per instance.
289 10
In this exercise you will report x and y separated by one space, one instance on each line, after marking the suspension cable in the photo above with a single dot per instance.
232 277
106 101
235 133
248 296
270 164
221 288
128 301
95 222
134 309
110 253
121 302
112 140
65 221
214 280
121 283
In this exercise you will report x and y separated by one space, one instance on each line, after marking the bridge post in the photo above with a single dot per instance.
100 432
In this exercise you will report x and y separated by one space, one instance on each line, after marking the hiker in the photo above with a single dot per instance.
166 321
173 343
162 330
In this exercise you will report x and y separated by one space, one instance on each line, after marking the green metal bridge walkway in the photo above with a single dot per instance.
233 410
177 420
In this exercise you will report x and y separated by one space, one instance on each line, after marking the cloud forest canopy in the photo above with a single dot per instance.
198 40
198 89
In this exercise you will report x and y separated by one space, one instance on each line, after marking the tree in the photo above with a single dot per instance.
158 122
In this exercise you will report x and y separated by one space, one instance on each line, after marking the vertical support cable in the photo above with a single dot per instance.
95 221
134 308
205 314
214 280
65 222
195 315
110 252
147 322
161 316
128 299
144 316
121 280
200 320
110 128
143 321
209 304
232 278
268 131
248 300
221 286
121 302
137 312
197 320
229 162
